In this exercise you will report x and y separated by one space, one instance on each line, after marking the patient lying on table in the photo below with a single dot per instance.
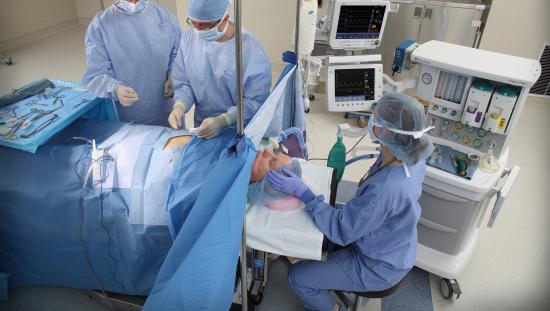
260 191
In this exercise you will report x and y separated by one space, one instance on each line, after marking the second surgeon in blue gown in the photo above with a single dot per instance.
204 71
129 52
377 226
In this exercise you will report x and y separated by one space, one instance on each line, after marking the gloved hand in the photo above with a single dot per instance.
125 95
290 184
211 127
168 88
176 116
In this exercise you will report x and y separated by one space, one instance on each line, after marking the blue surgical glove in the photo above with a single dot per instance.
290 184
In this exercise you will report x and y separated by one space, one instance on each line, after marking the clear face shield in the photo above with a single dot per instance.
414 134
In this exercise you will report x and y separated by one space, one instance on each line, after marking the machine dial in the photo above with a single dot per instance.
427 78
478 143
481 133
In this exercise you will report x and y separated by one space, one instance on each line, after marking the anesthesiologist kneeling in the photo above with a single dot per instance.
378 226
129 52
204 71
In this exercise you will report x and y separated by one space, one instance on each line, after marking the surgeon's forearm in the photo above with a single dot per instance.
184 95
250 107
103 86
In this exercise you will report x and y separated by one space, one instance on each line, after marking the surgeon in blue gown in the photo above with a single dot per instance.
378 226
130 48
205 75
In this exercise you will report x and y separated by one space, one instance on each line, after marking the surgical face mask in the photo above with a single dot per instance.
130 7
213 33
372 136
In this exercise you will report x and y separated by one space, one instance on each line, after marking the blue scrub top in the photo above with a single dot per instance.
379 223
204 74
135 50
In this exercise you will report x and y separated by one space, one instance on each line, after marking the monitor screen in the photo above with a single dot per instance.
354 84
360 21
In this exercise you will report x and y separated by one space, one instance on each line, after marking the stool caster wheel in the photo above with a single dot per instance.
311 97
306 110
449 288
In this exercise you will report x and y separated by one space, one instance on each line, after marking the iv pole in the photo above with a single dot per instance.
240 132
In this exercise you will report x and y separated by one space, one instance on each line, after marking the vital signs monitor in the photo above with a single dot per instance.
358 24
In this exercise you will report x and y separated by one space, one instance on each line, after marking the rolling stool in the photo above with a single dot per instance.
360 296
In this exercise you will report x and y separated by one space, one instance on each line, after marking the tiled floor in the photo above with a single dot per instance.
510 266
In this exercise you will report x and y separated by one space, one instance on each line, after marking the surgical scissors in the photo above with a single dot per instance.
61 89
59 97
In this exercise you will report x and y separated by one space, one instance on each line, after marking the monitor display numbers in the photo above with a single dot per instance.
354 84
360 21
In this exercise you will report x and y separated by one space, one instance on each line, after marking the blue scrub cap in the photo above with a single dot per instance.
207 10
403 126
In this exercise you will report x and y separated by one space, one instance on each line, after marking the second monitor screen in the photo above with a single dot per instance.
354 84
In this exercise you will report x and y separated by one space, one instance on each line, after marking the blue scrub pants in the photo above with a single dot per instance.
311 280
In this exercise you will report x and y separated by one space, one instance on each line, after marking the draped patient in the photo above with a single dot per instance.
260 191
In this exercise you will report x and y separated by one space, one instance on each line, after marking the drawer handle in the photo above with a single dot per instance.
436 226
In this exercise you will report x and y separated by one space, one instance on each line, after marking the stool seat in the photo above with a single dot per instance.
382 293
360 296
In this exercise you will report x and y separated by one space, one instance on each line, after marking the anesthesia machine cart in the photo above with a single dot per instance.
474 99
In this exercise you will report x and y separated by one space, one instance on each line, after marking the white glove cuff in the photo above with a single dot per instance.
181 104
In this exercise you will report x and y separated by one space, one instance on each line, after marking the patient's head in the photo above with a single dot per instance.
267 161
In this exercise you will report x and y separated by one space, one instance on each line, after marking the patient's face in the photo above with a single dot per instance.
267 161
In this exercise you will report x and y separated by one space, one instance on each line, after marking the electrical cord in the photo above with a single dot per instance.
83 192
357 143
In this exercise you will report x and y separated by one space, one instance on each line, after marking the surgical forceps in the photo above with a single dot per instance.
13 131
41 126
8 110
82 102
42 113
35 102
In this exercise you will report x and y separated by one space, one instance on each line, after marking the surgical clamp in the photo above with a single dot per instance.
82 102
41 126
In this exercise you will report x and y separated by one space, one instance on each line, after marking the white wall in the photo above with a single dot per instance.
517 27
23 17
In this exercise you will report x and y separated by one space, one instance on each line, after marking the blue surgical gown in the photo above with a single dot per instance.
204 74
135 50
379 224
